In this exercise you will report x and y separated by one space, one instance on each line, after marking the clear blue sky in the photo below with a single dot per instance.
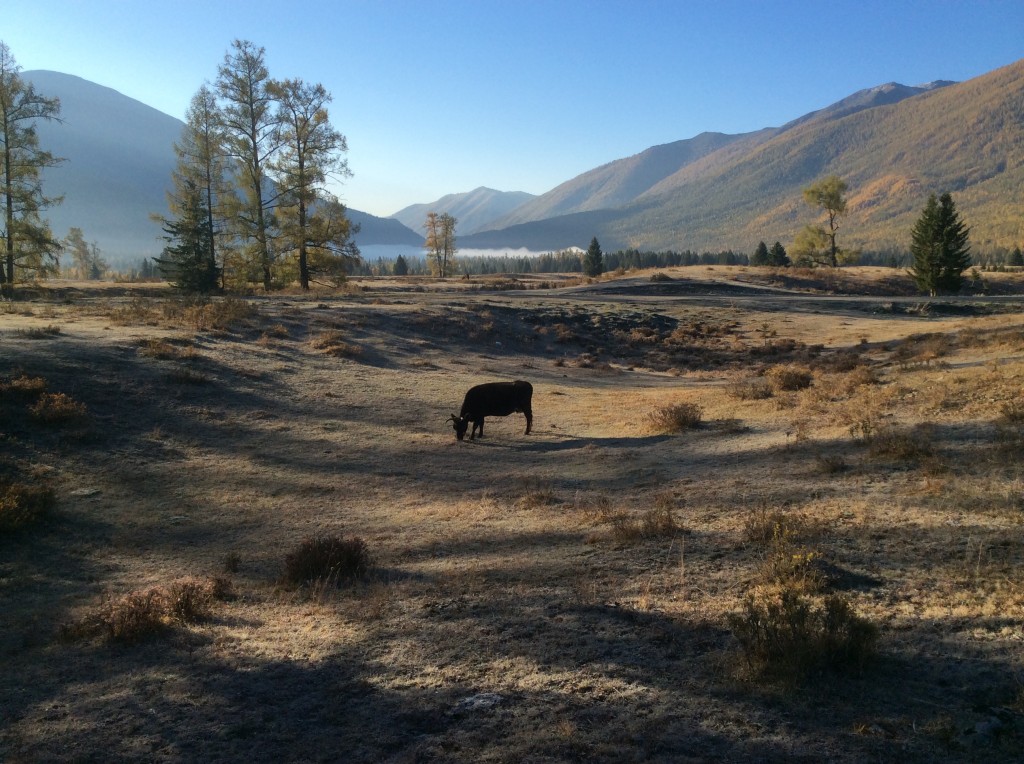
519 95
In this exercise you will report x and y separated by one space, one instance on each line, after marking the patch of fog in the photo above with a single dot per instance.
391 251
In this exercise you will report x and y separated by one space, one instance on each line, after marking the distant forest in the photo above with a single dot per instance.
571 261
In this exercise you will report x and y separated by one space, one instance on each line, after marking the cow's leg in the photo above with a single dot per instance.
529 421
477 423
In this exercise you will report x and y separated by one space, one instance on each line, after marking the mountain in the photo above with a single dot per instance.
119 157
118 165
475 210
374 230
893 144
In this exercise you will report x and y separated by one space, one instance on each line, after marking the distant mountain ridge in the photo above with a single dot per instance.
893 144
474 210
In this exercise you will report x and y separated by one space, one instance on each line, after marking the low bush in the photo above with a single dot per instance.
57 408
756 389
321 558
901 444
788 636
788 378
144 613
23 504
677 418
22 388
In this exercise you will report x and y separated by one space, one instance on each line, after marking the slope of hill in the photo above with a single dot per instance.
966 138
375 230
893 145
475 210
118 165
621 181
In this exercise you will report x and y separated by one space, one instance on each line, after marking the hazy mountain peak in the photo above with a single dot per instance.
475 210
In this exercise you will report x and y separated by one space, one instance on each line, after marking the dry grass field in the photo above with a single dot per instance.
759 518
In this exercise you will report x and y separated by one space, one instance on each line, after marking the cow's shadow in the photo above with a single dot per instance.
568 442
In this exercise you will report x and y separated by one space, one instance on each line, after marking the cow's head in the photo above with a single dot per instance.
460 425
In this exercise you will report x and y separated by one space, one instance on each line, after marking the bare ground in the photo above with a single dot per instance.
509 616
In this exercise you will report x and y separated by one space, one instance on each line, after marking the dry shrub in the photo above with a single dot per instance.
642 336
536 494
39 332
788 378
858 377
191 599
785 635
755 389
658 522
333 343
901 444
23 388
188 377
22 504
332 559
57 408
564 333
784 563
677 417
765 525
164 350
147 612
278 331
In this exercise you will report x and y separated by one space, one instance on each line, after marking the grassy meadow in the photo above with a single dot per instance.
761 516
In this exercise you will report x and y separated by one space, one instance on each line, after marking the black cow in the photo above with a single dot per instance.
493 399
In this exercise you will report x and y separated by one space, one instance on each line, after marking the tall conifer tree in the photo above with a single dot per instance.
940 247
27 241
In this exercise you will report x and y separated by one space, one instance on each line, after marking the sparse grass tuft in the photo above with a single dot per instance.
333 559
164 350
787 636
188 377
536 494
333 343
57 408
677 417
658 522
39 333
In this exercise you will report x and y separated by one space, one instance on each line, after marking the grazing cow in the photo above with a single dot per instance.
493 399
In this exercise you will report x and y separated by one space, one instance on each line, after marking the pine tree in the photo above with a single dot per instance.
201 167
593 261
188 262
940 247
401 266
27 240
760 256
777 256
1016 258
